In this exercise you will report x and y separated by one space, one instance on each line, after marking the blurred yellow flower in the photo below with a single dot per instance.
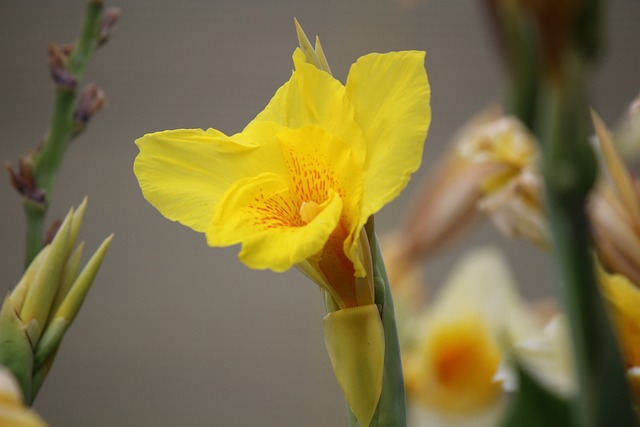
513 189
446 202
457 362
623 298
13 413
298 184
504 142
489 168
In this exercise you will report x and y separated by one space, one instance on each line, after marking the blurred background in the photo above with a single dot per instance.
174 332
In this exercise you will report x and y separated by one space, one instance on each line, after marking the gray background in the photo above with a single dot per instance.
174 332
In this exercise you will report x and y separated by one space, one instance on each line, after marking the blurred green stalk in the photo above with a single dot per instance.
47 161
569 169
549 47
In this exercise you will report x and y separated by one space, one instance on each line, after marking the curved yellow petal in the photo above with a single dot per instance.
355 342
313 97
12 411
317 162
262 214
184 173
624 299
391 97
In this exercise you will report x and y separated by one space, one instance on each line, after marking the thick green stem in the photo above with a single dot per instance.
391 411
569 169
48 159
34 214
522 53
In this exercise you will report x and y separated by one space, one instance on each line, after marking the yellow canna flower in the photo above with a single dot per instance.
298 184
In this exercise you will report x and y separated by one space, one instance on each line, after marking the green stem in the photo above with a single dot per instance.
391 411
47 161
523 95
569 170
34 214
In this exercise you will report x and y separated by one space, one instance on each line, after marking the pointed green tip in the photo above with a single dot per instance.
41 293
321 57
305 45
75 297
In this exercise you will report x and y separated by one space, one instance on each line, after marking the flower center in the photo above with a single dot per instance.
308 211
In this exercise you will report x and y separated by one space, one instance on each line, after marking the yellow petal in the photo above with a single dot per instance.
317 161
624 300
13 413
313 97
482 282
184 173
390 94
355 342
262 214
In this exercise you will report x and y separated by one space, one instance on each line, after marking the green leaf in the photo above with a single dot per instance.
535 406
16 353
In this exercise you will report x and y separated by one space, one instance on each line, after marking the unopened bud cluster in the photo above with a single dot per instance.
40 308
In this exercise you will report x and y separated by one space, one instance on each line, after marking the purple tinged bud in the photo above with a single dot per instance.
109 21
58 69
92 99
23 180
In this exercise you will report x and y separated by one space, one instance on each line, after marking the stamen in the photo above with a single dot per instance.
308 211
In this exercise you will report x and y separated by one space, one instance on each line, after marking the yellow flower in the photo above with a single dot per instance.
457 365
513 188
504 142
623 298
298 184
476 313
14 413
460 359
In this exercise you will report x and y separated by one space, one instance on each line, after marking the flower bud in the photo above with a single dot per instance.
23 180
314 56
16 352
92 99
58 68
108 23
355 342
614 210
